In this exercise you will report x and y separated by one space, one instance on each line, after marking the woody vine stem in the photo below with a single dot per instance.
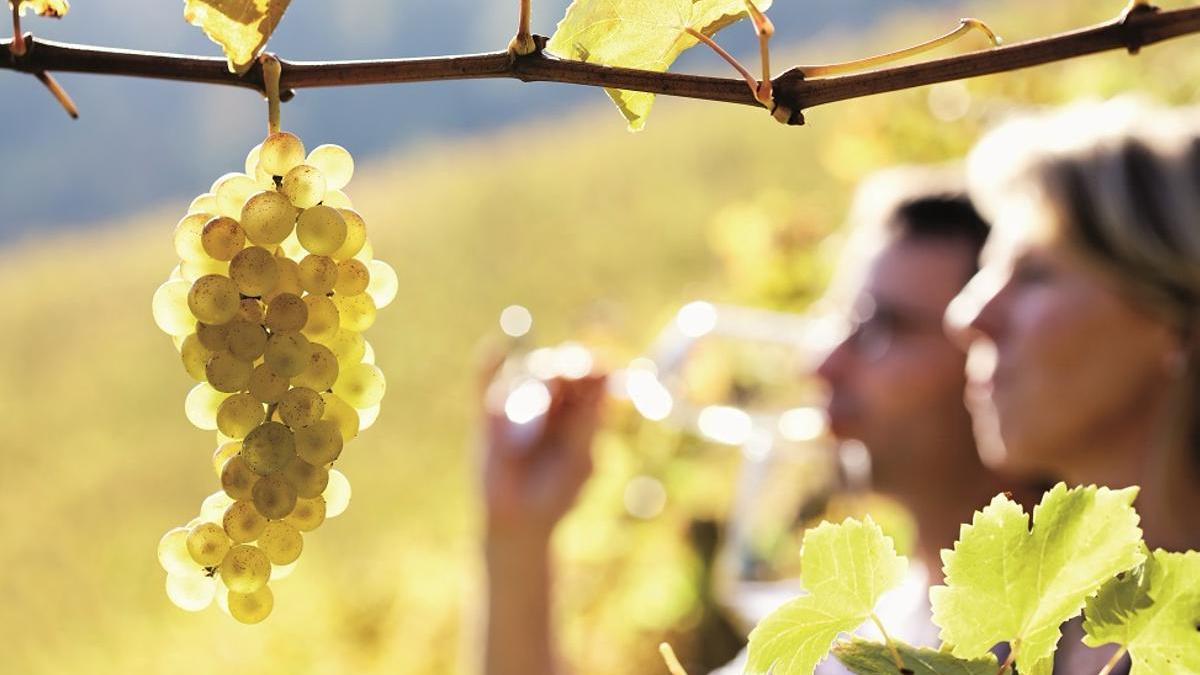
792 92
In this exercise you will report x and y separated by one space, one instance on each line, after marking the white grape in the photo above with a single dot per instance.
195 356
300 407
191 592
289 278
254 271
366 253
322 371
337 199
251 164
291 246
188 236
207 544
201 406
323 320
383 285
356 232
318 274
280 152
204 204
367 417
341 414
237 480
242 521
239 415
361 385
245 569
334 162
304 186
214 506
321 229
226 450
352 277
288 353
170 308
191 270
214 299
222 238
279 572
268 448
337 494
173 553
232 191
274 497
319 443
268 218
227 373
282 542
253 607
308 514
286 313
355 312
348 346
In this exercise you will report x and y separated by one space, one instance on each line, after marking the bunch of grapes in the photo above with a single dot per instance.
267 307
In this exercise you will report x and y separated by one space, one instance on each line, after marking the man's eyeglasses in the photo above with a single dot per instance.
875 326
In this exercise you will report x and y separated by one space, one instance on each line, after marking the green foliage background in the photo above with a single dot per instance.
596 230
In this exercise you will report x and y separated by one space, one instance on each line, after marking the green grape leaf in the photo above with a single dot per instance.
845 569
1008 583
56 9
1154 612
864 657
643 34
241 27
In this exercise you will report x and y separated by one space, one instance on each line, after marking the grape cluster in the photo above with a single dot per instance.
276 284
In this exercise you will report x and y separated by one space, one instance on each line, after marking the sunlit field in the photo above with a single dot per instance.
602 234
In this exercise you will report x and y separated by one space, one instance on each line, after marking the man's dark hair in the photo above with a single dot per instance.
947 216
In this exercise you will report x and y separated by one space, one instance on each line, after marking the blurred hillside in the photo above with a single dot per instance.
174 136
594 229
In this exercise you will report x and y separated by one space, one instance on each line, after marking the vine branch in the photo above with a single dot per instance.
1142 25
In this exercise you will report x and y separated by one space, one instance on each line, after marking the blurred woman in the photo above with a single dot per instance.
1083 324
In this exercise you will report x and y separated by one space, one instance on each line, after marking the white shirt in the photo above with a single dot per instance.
904 611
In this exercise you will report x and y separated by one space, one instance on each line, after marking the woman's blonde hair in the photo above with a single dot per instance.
1123 179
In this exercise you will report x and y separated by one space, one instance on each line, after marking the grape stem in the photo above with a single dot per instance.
18 49
523 43
673 664
764 29
60 94
964 26
742 70
18 44
272 70
888 641
1112 663
793 91
1012 658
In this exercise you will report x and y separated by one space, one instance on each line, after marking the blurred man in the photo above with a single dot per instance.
895 384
